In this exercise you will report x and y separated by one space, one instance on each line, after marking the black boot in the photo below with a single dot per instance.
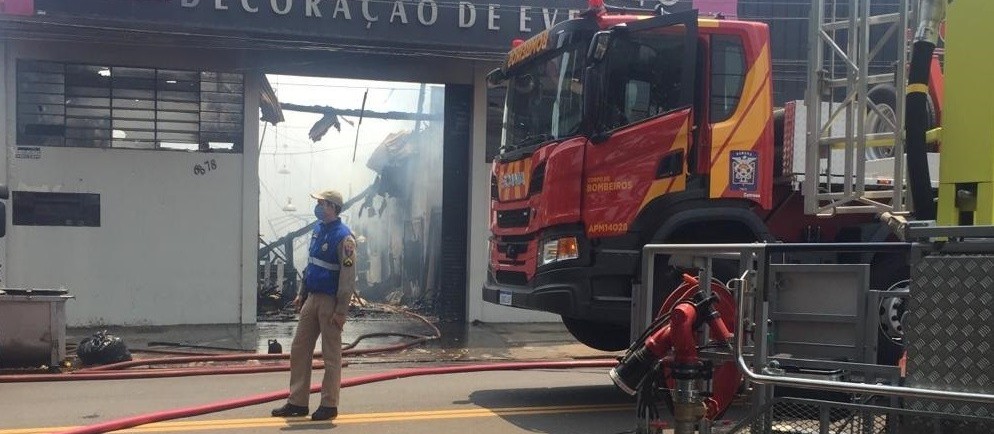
290 410
325 413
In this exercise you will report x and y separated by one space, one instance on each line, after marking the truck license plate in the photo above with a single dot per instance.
505 298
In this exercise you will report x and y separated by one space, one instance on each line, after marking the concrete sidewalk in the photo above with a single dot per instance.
478 341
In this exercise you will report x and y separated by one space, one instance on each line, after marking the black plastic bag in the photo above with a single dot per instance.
102 348
275 347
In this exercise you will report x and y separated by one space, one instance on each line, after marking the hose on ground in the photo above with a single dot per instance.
151 373
348 350
116 371
200 347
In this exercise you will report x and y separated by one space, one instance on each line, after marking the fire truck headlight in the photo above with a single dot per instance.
560 249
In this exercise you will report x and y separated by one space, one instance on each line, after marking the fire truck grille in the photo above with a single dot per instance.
516 278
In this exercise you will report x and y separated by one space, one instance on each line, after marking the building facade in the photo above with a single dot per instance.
132 131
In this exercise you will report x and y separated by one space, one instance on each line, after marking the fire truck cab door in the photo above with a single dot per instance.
643 120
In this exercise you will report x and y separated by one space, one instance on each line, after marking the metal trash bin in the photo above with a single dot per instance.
32 327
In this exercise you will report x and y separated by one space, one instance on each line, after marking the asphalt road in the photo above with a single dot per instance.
543 401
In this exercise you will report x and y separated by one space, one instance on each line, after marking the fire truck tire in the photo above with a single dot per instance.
884 96
598 335
886 270
719 225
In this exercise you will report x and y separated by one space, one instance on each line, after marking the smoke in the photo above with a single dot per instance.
398 225
398 163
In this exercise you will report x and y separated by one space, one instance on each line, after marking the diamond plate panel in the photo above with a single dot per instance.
949 332
789 416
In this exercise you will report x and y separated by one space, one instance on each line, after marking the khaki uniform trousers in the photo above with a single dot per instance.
316 317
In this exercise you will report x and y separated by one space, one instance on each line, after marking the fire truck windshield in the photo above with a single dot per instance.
545 98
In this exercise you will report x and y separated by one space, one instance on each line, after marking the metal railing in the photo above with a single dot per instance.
835 386
845 42
755 264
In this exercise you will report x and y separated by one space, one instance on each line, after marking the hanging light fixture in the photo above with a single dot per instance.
289 207
284 170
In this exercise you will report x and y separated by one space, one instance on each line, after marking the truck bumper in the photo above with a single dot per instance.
601 292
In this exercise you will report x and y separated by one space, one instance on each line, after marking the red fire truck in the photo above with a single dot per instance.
622 130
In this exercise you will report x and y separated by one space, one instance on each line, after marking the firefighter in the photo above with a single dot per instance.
329 282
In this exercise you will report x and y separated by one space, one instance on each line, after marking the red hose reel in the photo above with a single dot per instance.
681 335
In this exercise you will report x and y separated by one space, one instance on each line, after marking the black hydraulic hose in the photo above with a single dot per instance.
203 347
418 338
347 350
916 126
170 352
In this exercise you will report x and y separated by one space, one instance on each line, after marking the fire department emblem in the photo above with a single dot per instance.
744 170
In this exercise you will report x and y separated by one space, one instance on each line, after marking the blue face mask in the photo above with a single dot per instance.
319 212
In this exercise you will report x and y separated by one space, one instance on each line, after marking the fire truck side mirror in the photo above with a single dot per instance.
598 47
593 84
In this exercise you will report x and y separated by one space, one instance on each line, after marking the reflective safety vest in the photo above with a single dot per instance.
323 264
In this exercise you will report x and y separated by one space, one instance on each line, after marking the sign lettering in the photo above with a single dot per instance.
474 26
609 186
528 49
607 228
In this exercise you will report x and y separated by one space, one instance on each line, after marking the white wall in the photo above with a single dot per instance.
172 247
479 230
177 248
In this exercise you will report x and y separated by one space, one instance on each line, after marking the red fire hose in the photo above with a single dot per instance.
115 371
133 421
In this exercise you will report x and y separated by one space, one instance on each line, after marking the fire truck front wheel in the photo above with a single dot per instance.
598 335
